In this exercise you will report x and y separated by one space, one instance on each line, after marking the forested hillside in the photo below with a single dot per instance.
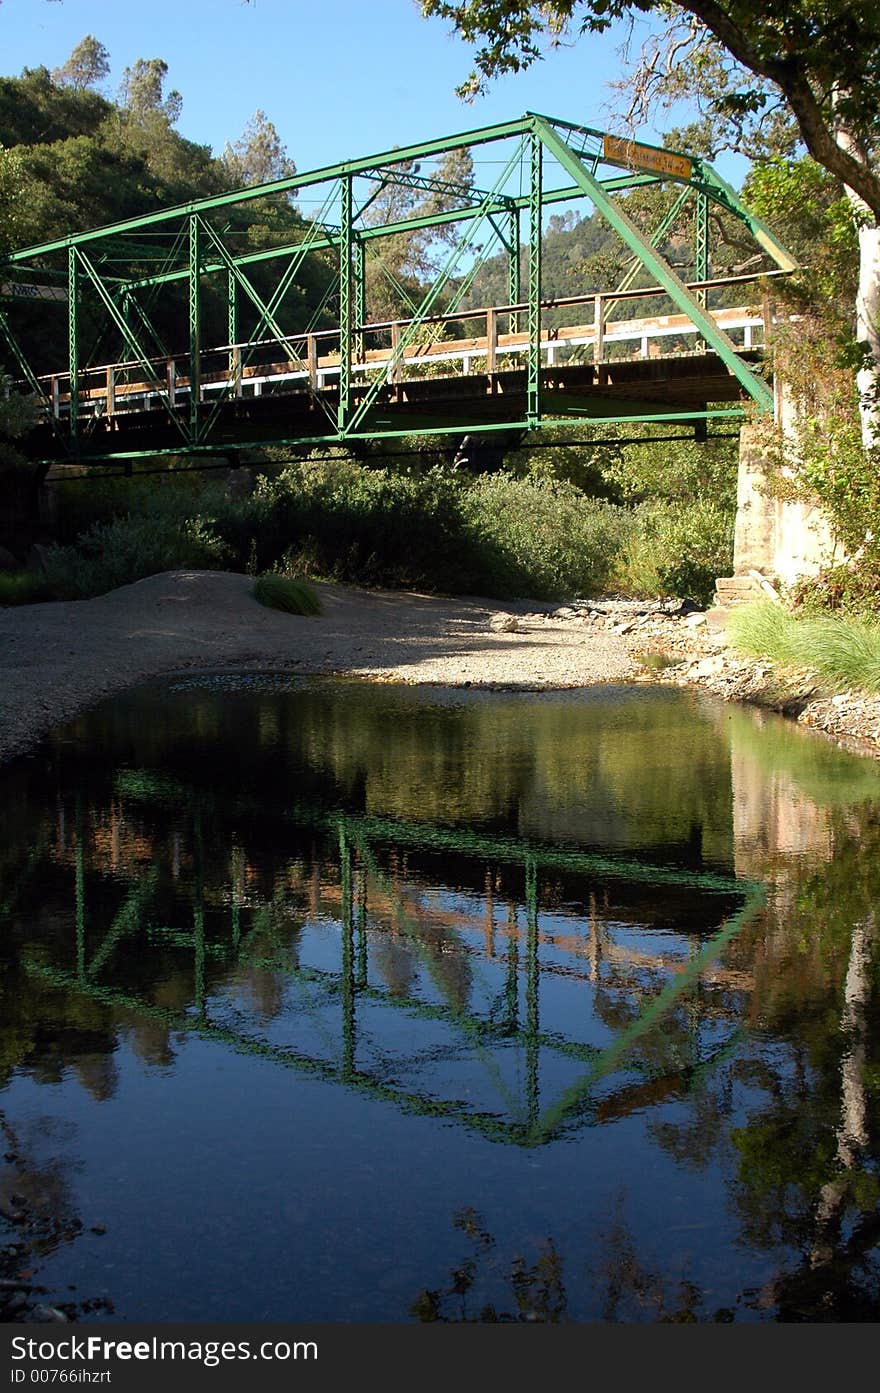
71 159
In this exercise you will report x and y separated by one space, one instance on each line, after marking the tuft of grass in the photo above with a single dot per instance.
845 652
284 593
24 588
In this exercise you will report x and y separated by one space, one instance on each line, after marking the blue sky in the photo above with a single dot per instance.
340 78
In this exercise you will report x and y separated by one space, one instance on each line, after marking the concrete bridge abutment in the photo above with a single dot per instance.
781 539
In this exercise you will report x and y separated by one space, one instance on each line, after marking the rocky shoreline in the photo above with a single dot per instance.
681 646
58 659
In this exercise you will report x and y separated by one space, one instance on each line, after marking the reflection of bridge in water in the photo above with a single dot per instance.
365 898
445 368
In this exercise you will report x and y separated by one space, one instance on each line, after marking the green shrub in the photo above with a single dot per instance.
852 589
23 588
422 528
127 549
542 538
676 549
846 652
286 593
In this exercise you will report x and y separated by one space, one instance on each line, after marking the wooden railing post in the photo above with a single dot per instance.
599 325
394 367
236 370
171 376
491 340
312 360
111 391
56 398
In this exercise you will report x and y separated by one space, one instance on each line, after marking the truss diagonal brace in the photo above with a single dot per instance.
128 334
29 374
658 265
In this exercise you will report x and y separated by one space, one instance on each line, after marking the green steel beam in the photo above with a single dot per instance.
346 305
426 183
73 342
427 432
129 336
660 231
514 283
415 224
195 325
430 299
267 320
359 272
132 306
30 376
659 267
711 183
533 314
231 310
370 163
701 242
591 132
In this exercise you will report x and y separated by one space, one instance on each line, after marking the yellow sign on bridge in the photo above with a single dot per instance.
634 155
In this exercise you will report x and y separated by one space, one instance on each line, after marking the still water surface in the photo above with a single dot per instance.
342 1002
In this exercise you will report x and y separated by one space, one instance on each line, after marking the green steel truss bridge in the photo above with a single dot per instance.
141 377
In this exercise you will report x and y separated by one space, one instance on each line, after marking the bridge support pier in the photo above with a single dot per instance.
782 539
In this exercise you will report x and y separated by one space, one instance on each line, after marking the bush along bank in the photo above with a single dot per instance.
431 529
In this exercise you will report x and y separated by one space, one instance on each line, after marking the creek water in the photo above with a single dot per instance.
332 1001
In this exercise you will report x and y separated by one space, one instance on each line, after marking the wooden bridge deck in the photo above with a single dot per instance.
606 369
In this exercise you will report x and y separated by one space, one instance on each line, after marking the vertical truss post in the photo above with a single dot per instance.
514 289
73 340
701 242
80 891
346 304
199 915
195 326
348 979
359 271
232 330
533 385
532 1020
237 882
511 988
701 252
362 929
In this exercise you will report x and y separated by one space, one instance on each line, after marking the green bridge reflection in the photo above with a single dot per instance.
354 868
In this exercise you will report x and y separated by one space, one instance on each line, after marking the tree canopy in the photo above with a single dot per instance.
88 64
817 59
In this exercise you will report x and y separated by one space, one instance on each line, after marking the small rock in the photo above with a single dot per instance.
693 621
504 624
624 628
47 1314
99 1229
707 667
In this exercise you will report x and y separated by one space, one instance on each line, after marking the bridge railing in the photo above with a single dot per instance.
483 341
